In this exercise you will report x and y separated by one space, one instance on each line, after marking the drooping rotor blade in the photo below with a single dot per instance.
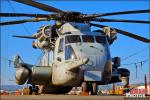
28 37
23 21
21 14
39 5
118 13
119 20
125 33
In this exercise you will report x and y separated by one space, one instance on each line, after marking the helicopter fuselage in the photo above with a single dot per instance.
80 55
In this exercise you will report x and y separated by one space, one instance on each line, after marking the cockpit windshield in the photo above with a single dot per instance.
88 38
72 39
101 39
85 39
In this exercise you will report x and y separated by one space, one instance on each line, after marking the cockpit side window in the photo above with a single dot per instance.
61 47
88 38
72 39
101 39
69 53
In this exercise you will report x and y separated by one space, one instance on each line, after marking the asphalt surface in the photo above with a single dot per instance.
65 97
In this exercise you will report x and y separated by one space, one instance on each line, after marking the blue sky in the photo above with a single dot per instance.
122 47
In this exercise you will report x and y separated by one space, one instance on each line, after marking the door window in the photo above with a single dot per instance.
61 46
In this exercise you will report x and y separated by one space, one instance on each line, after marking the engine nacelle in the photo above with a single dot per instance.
41 75
110 33
41 45
44 38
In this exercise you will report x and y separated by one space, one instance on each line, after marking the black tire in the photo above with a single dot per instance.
36 90
84 87
94 88
30 90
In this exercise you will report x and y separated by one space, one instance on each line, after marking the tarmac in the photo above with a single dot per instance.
65 97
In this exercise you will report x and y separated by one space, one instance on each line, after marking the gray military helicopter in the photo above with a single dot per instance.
81 57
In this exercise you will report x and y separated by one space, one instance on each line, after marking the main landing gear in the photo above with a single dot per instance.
89 87
33 90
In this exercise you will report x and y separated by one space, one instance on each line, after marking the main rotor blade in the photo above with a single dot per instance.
23 21
39 6
28 37
118 13
125 33
21 14
119 20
